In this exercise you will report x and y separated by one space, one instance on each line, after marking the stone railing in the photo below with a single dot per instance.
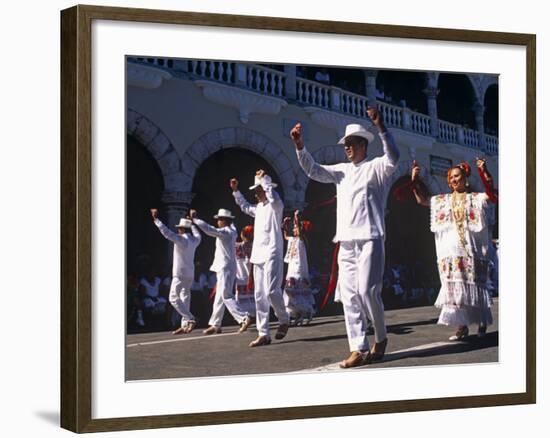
272 82
420 123
491 144
313 93
448 132
393 115
471 138
213 70
264 80
353 104
156 62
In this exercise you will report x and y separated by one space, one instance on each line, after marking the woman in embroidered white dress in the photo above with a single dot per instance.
298 296
460 222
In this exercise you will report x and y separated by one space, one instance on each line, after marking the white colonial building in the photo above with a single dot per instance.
183 111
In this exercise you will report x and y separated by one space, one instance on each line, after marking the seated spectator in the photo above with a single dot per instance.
153 301
134 302
322 76
379 94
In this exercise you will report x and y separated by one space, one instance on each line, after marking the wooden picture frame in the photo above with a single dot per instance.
76 217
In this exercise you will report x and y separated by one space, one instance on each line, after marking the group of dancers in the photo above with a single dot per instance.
251 268
459 221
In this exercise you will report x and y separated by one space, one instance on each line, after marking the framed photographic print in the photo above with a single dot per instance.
215 167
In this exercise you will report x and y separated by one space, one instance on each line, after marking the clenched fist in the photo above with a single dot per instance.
296 136
376 118
415 173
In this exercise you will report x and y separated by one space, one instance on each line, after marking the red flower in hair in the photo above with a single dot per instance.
306 225
465 168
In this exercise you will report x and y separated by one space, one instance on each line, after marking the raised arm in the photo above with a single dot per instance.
388 143
208 229
315 171
243 204
486 179
266 183
196 233
420 196
165 231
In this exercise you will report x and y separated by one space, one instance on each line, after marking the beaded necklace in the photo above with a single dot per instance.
458 206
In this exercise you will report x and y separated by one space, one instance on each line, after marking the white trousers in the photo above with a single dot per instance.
361 270
268 279
180 298
225 297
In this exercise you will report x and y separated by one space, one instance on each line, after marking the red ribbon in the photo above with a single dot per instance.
212 293
404 190
333 279
489 189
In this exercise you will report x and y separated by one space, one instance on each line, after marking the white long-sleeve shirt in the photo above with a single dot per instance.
184 249
224 256
361 190
268 238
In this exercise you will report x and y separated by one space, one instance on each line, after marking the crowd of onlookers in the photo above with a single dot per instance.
147 303
148 308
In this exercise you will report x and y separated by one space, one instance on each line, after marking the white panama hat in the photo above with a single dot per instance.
223 213
357 130
184 223
267 180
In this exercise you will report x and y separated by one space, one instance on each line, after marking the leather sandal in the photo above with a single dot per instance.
190 326
259 341
245 324
212 330
460 334
378 350
355 359
180 331
281 331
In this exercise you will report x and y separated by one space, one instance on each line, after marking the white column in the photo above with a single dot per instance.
370 85
479 111
240 74
290 81
431 93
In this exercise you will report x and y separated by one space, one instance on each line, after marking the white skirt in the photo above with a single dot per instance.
464 304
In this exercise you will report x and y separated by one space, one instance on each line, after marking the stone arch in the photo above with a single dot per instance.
245 138
453 107
159 146
490 105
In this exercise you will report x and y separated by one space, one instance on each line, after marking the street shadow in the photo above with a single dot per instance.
471 343
318 339
314 323
406 328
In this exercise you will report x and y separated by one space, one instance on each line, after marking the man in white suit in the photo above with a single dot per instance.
361 192
185 242
267 254
225 267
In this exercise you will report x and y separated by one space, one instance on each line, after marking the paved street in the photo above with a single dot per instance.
414 338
